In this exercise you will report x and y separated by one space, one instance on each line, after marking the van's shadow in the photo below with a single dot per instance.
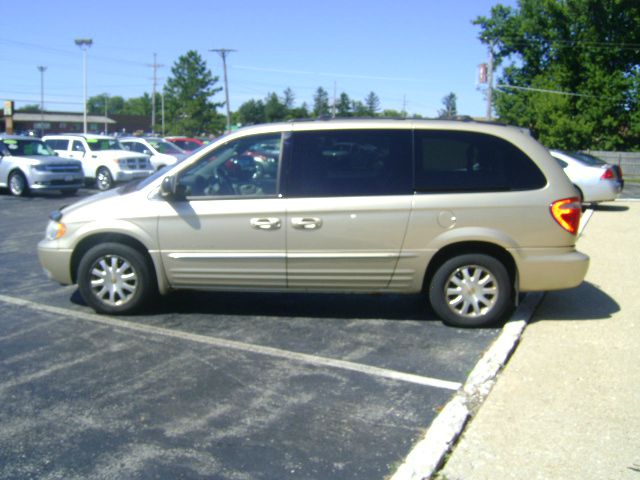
347 306
609 208
585 302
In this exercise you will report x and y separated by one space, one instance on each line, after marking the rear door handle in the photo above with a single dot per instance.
266 223
306 223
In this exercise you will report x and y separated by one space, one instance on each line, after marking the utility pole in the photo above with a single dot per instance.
223 53
42 69
84 44
106 113
490 84
333 107
155 67
162 102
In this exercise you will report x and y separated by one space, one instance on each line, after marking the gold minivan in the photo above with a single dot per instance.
469 213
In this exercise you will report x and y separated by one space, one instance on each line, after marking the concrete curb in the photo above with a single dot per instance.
429 453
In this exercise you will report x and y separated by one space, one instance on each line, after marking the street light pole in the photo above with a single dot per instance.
42 68
84 44
223 53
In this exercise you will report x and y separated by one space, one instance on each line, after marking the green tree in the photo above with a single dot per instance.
372 104
274 109
114 105
31 108
189 110
251 112
138 106
571 71
391 113
450 109
321 103
343 106
289 99
359 109
299 112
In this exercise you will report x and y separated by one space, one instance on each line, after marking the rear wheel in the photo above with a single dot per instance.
114 278
18 184
471 290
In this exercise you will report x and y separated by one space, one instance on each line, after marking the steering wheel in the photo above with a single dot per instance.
219 184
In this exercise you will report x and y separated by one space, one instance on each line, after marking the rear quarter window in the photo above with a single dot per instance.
453 161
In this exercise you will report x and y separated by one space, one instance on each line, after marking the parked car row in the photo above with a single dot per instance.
67 162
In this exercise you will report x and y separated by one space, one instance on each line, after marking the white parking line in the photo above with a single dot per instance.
246 347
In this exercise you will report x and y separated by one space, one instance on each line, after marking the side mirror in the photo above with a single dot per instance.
170 189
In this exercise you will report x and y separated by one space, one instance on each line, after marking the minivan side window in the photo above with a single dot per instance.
246 167
454 161
332 163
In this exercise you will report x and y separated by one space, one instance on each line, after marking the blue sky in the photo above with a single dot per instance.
409 52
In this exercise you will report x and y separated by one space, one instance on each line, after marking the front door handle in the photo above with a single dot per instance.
306 223
266 223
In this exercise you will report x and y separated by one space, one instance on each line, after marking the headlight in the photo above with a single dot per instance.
55 230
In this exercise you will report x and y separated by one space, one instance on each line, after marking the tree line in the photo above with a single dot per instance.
571 70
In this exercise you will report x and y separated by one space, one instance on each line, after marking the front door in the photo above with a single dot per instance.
229 230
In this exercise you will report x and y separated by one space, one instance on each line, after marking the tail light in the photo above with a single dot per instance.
608 174
567 213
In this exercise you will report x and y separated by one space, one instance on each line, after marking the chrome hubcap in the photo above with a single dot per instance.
113 280
471 291
104 182
16 185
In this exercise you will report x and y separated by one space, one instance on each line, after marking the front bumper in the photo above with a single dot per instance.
55 181
56 262
128 175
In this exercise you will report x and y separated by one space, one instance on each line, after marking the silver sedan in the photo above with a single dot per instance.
595 179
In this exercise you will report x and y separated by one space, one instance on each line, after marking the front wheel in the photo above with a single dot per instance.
472 290
116 279
18 185
104 180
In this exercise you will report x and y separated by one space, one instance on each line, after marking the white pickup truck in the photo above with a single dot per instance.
104 161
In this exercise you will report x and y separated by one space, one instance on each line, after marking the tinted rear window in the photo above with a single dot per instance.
350 163
452 161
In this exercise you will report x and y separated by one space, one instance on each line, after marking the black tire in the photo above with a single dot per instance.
115 279
104 180
471 290
18 185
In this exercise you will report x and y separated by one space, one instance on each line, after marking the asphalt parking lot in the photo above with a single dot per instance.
212 385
